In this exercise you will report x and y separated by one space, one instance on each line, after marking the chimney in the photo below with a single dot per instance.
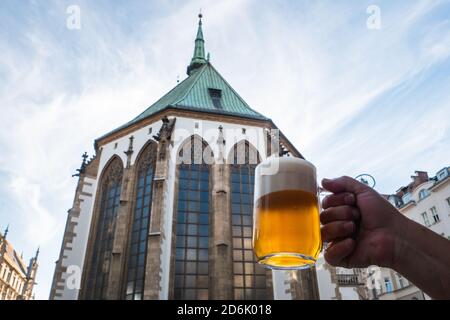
419 178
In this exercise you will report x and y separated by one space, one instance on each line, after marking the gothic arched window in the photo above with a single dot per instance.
249 278
193 216
145 169
110 187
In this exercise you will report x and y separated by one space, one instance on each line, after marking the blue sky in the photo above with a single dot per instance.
352 100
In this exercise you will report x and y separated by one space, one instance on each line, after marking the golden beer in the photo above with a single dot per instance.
286 230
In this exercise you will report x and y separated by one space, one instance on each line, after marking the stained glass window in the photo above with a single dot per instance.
137 251
104 233
192 226
249 278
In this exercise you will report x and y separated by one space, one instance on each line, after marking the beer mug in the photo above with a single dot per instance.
286 225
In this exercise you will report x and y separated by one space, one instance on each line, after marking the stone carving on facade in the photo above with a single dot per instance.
244 153
83 165
164 135
129 152
275 145
113 174
268 143
159 183
86 165
196 151
147 159
221 146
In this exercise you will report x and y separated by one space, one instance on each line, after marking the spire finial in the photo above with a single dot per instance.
198 58
37 252
6 231
85 156
83 165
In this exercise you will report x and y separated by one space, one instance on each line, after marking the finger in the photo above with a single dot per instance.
336 254
340 213
343 184
337 229
340 199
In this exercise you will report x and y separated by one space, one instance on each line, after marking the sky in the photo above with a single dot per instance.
352 97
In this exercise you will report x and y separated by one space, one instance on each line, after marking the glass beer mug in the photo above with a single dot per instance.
286 225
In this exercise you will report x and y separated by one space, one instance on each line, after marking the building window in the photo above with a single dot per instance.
406 198
115 145
425 219
104 233
192 227
392 201
435 215
150 130
216 96
141 222
244 130
448 201
442 174
388 285
249 278
423 194
401 280
196 125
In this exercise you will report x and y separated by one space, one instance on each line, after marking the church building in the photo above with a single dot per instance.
163 210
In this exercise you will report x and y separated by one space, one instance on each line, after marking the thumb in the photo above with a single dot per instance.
343 184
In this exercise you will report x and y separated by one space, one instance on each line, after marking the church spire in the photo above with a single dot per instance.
37 253
6 231
198 58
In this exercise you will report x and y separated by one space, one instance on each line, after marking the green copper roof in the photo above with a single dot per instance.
204 90
194 94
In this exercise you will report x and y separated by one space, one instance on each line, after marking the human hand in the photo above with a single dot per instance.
360 225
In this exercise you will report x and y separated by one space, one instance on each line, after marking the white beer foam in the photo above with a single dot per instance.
292 174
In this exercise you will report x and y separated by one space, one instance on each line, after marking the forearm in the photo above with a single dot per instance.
423 257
